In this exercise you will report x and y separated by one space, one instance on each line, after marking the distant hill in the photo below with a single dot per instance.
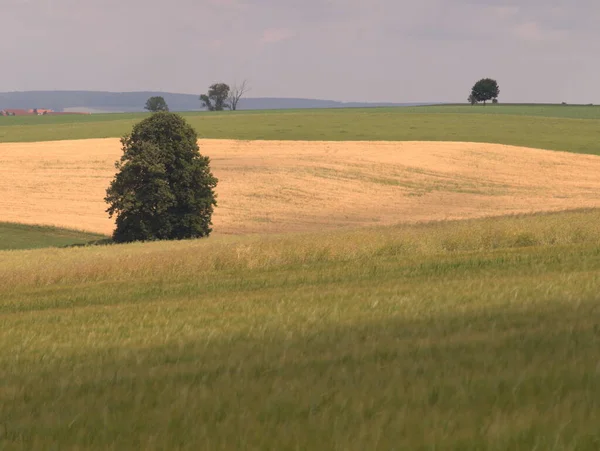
124 102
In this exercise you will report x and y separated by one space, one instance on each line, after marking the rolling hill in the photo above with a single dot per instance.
130 102
310 319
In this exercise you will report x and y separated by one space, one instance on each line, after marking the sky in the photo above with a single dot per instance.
345 50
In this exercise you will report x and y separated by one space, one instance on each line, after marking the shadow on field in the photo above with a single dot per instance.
103 242
502 379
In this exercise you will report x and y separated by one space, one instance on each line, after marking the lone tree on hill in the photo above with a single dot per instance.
164 189
236 93
217 97
155 104
485 89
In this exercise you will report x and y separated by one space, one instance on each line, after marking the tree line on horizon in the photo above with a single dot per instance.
220 96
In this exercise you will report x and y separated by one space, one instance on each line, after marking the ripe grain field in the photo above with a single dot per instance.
554 127
471 335
288 186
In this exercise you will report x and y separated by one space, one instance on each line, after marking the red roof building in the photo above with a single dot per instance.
40 111
34 112
15 112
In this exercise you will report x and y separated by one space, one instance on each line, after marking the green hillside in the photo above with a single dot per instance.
474 335
554 127
21 236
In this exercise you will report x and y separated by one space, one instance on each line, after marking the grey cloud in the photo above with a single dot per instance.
381 50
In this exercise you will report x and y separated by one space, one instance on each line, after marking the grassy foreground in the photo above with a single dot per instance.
469 335
21 236
553 127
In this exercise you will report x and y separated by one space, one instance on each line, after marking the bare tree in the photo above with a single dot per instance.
236 93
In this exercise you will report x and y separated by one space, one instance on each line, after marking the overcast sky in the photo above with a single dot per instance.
348 50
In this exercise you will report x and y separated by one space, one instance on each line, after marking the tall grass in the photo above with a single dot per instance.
467 335
185 259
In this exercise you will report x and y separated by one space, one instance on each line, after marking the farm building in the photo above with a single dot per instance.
15 112
32 112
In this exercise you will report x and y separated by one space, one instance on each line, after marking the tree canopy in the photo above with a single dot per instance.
164 188
155 104
485 89
217 97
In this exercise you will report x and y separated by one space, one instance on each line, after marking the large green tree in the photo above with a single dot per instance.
217 97
155 104
164 188
485 89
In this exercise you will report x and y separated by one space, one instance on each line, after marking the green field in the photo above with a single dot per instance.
473 335
554 127
457 335
20 236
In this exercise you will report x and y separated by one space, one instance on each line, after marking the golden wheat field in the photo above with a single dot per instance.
282 186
